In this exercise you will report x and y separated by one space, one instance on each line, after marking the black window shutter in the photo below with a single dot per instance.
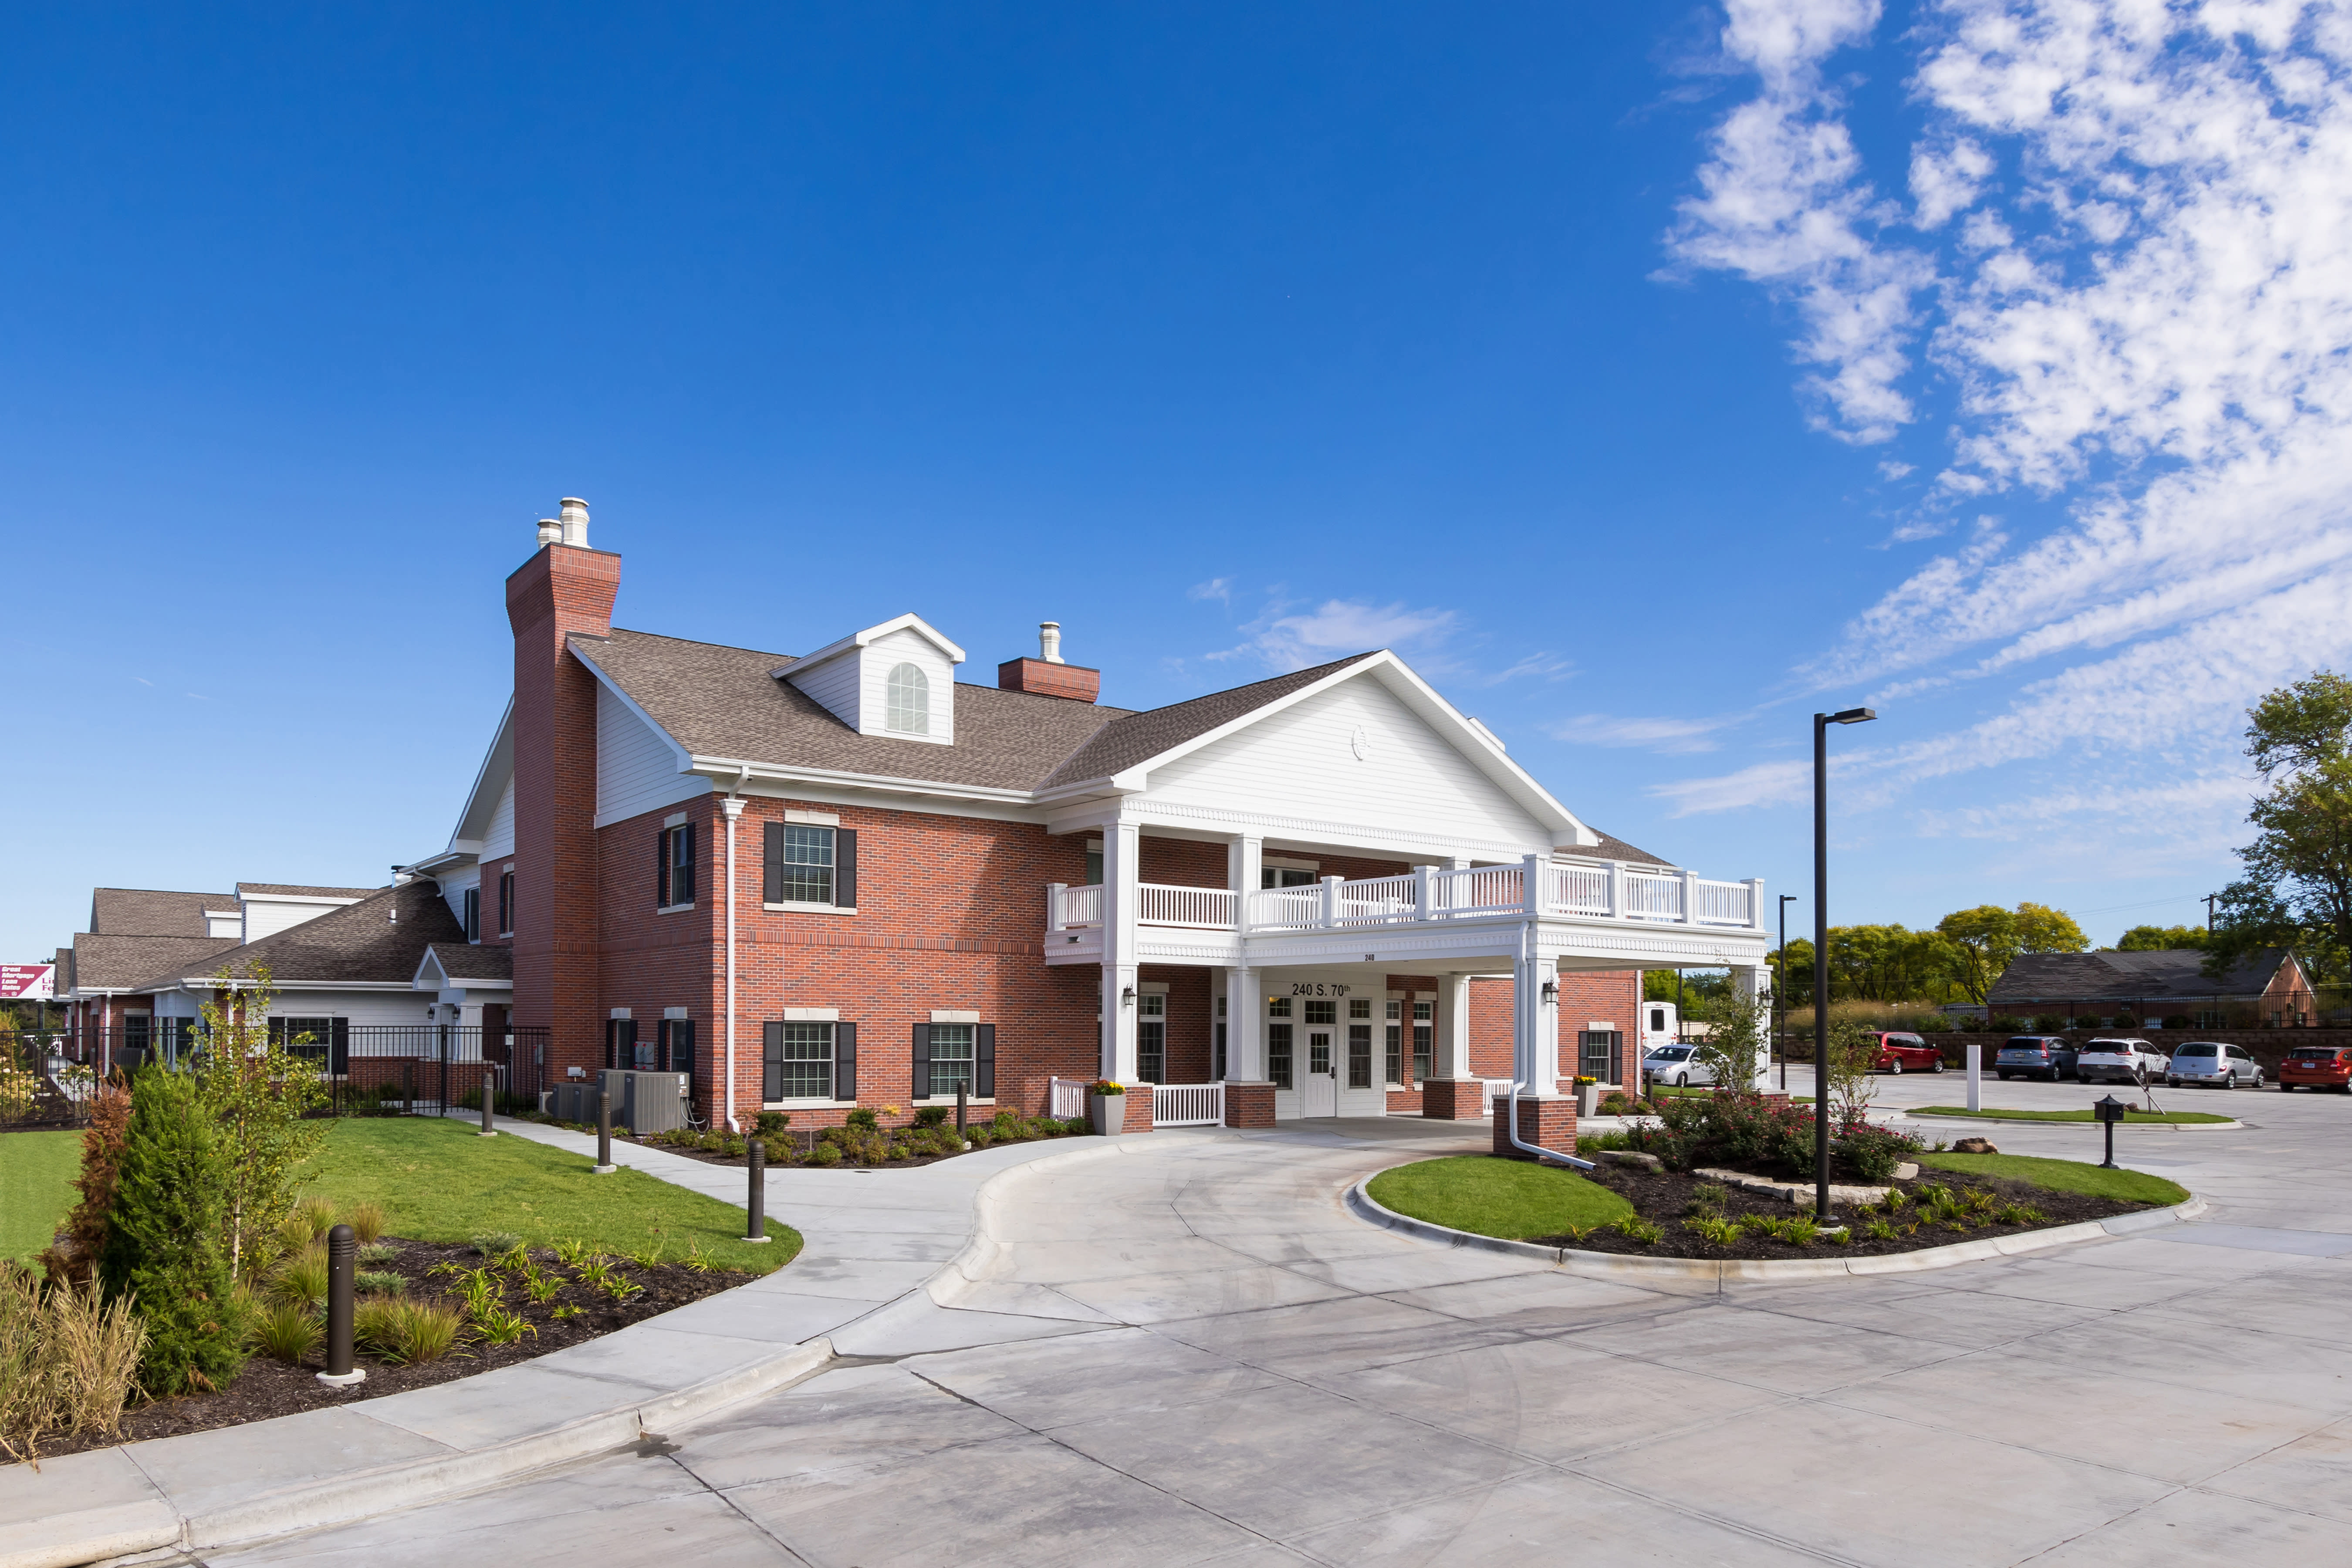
771 884
611 1039
845 1061
681 1046
276 1031
844 867
661 870
772 1081
339 1050
922 1078
984 1062
687 864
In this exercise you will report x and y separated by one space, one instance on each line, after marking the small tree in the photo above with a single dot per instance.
1854 1051
73 1253
163 1238
261 1093
1736 1045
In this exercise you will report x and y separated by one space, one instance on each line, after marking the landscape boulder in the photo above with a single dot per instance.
1974 1146
1629 1157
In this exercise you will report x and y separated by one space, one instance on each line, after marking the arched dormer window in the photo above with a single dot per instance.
910 708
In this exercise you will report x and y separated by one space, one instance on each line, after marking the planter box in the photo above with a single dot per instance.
1107 1112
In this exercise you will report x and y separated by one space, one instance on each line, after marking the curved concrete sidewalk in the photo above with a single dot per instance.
873 1241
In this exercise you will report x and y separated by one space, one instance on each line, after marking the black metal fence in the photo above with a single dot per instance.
367 1070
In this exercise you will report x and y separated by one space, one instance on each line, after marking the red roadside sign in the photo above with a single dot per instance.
28 982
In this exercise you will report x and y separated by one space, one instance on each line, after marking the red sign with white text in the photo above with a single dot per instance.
28 982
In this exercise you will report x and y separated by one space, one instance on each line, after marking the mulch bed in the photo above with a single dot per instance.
806 1142
267 1387
1666 1198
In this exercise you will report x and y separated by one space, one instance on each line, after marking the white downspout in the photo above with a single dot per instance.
1538 1150
732 806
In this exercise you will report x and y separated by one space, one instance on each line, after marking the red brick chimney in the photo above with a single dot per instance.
565 589
1046 674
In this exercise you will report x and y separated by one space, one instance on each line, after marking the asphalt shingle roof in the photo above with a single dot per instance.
1614 848
1133 738
470 961
148 912
128 963
2129 976
382 936
289 889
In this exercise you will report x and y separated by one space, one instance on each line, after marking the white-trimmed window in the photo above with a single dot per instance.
1151 1036
808 1060
951 1059
809 866
907 706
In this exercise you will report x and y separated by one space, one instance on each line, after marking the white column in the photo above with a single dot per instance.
1424 892
1121 845
1244 869
1452 1043
1755 903
1690 898
1749 987
1616 890
1535 1032
1244 1035
1531 883
1331 919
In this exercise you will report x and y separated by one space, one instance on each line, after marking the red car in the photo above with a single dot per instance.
2316 1066
1908 1053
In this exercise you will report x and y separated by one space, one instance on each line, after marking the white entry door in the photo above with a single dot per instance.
1319 1087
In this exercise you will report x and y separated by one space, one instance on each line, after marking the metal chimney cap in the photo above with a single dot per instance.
1049 641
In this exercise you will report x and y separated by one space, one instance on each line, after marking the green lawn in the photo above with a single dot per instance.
2064 1175
441 1181
2176 1117
1490 1197
37 1172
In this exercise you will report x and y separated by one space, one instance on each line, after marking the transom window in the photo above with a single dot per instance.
807 864
1322 1012
800 1061
951 1059
908 709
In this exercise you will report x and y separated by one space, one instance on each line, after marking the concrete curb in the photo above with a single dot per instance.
151 1522
1617 1266
2120 1126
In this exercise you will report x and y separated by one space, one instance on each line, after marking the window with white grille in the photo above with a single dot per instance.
907 709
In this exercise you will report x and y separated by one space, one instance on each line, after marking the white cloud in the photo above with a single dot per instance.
1669 736
1762 784
1218 588
1943 181
1891 469
1338 628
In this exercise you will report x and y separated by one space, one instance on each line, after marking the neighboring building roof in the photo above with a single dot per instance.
2131 977
147 911
128 963
723 702
283 890
1134 738
381 938
471 961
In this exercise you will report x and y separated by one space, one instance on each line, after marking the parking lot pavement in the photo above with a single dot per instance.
1254 1377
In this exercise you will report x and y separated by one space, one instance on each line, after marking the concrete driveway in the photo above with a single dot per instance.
1190 1354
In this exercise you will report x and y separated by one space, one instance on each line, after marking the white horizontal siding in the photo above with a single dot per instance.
909 647
359 1006
636 768
268 918
453 888
833 687
498 842
1301 763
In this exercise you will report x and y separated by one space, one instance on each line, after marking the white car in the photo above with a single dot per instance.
2210 1064
2120 1061
1677 1067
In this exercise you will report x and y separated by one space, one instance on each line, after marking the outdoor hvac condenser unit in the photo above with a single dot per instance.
648 1102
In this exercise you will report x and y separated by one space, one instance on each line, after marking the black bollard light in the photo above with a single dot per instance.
605 1166
2109 1111
342 1269
962 1093
490 1092
755 1222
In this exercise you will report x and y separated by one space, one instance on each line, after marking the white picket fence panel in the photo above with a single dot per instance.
1188 1105
1068 1102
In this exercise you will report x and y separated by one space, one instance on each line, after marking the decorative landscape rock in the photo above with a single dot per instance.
1792 1191
1974 1146
1631 1157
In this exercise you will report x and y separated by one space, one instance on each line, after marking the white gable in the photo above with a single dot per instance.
1353 754
850 678
637 764
498 840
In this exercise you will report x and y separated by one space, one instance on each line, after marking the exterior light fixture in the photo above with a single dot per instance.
2109 1111
1127 997
1821 723
1550 993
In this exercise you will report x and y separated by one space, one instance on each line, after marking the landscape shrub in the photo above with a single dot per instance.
73 1255
259 1093
302 1279
862 1119
366 1221
826 1155
1872 1153
1747 1131
772 1122
163 1241
287 1332
930 1115
68 1360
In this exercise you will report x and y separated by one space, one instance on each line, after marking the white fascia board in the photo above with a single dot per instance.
726 770
456 856
301 898
679 754
490 783
854 640
244 982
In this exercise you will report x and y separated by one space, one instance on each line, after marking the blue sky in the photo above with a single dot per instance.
1648 377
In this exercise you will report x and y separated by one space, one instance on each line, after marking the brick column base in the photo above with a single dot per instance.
1139 1108
1452 1099
1249 1104
1549 1123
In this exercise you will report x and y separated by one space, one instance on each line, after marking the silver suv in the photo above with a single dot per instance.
2120 1061
2208 1064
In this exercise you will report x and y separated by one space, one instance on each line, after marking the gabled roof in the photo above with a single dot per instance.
1133 739
722 702
1614 848
147 911
378 940
2176 973
128 963
466 961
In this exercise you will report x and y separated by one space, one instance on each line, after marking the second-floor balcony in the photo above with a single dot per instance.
1535 888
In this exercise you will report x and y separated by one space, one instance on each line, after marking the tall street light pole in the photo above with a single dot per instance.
1821 723
1781 992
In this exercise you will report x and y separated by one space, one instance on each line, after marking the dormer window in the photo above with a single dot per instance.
909 698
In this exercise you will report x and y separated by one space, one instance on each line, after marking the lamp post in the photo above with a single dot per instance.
1781 992
2109 1111
1821 723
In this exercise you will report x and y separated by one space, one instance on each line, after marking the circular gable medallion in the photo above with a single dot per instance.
1360 742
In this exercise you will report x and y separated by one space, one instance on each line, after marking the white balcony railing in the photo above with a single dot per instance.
1609 891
